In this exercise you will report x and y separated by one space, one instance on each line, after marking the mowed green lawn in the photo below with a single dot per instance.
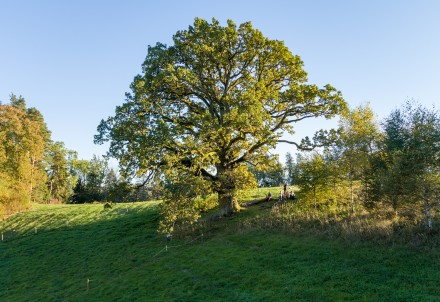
83 253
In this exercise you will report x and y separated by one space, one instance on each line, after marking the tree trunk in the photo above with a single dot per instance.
227 199
351 189
31 188
427 209
314 196
227 204
50 190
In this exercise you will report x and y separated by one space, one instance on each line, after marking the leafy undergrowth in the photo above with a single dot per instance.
83 253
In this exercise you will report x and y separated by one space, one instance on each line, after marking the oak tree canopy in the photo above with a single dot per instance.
218 98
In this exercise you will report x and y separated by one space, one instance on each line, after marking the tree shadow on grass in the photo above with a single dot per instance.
54 261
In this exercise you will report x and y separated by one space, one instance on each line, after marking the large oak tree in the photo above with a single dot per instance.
218 98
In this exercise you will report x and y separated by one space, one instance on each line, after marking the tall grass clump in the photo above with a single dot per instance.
381 226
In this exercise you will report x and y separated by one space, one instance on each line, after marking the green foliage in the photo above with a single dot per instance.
90 179
413 157
314 179
399 167
359 133
94 181
268 175
19 103
292 168
61 181
110 182
120 191
23 141
219 97
181 202
205 204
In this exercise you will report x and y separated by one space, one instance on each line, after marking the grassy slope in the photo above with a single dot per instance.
124 257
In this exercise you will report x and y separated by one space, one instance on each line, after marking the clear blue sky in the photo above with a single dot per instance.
74 60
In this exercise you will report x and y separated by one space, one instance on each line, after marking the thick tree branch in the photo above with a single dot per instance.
298 146
251 150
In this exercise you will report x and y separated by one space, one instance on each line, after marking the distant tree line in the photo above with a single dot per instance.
276 174
95 181
34 168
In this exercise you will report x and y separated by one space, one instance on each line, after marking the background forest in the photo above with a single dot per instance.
35 169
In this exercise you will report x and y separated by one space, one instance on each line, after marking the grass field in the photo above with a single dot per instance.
83 253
